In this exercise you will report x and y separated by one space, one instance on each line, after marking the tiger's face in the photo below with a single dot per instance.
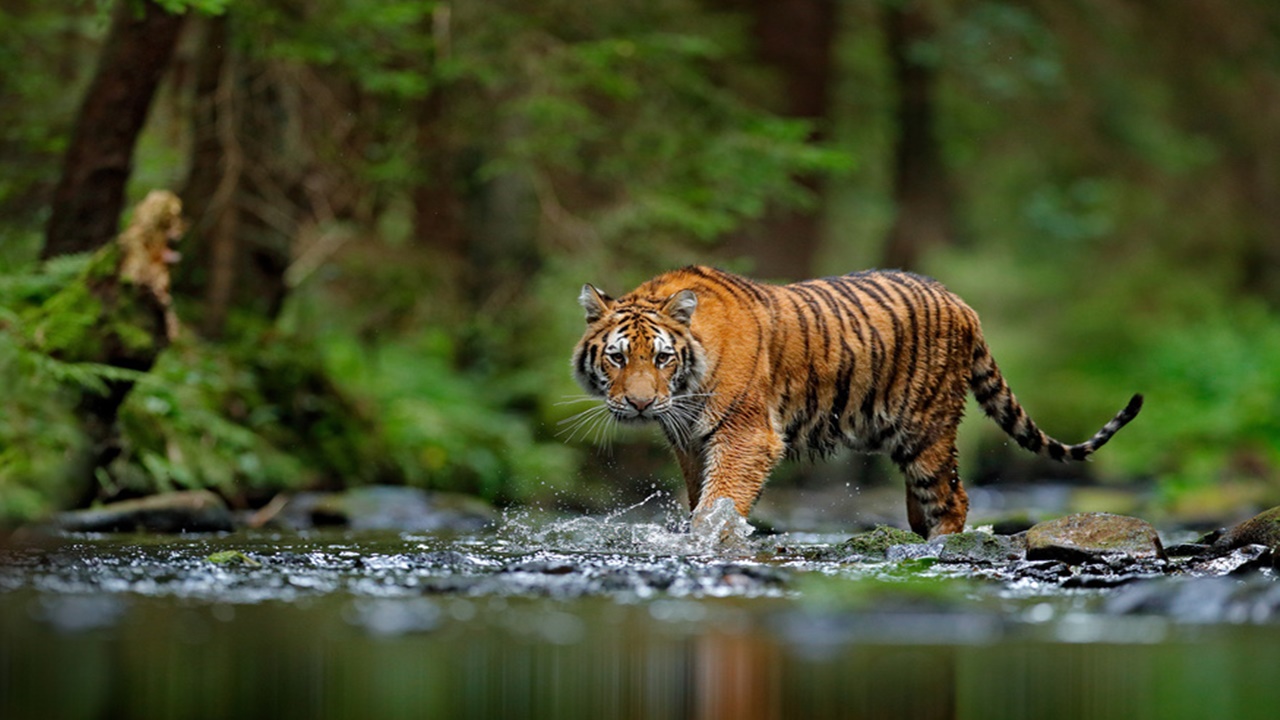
640 355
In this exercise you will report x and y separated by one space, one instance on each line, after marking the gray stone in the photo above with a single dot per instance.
1091 537
385 507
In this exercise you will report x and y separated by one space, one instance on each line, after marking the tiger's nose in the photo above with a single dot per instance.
639 403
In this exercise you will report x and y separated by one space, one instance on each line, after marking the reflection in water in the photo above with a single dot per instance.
519 657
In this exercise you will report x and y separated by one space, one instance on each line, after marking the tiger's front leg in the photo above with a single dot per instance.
735 464
691 464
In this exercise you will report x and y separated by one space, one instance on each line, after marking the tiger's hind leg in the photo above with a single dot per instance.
936 501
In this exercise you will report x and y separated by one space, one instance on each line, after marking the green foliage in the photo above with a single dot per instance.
46 52
466 430
37 431
1214 398
641 103
201 421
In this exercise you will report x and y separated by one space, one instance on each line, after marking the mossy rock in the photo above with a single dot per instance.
1087 537
1261 529
875 543
980 548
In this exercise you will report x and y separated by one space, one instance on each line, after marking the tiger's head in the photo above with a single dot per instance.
640 354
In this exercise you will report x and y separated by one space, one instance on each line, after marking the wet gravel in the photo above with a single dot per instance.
83 579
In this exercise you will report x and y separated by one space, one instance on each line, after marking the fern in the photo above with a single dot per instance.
83 376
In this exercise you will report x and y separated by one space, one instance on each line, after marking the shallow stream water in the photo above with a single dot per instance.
617 616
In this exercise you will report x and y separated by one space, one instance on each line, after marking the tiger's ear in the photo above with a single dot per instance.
681 306
594 302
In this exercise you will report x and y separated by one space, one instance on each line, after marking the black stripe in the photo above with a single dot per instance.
904 456
940 384
852 302
588 359
986 394
735 282
1031 439
1009 417
877 295
913 369
844 377
818 319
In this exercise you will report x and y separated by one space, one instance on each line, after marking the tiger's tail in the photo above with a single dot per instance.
999 403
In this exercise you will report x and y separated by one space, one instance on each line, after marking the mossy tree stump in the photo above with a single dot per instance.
116 313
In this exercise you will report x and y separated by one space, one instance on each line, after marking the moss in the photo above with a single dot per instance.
232 557
96 316
879 540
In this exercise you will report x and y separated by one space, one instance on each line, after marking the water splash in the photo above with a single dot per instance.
667 534
720 526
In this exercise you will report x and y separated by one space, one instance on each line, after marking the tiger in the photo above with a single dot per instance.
740 374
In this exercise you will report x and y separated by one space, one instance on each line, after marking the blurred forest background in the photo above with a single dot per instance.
393 205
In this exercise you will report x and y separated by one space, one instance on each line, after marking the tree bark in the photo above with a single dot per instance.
796 37
438 205
921 186
87 201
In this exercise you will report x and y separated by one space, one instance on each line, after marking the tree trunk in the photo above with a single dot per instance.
244 188
86 203
438 205
921 187
796 37
210 189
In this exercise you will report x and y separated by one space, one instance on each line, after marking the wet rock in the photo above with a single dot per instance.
188 511
1193 550
1239 560
914 551
977 548
1046 571
981 548
1086 537
1095 581
382 507
876 543
1262 529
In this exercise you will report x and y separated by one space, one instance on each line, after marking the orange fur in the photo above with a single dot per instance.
740 373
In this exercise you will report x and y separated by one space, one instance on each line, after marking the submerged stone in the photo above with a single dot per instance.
1088 537
187 511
